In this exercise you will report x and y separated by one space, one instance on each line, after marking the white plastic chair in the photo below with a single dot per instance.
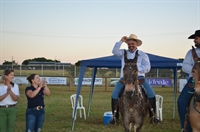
159 104
80 106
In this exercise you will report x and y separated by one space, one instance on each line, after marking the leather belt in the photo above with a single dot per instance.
38 107
7 106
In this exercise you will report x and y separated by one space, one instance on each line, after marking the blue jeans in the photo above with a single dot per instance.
34 120
145 84
183 102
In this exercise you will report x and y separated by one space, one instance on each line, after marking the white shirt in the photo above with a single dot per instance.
8 100
188 62
143 62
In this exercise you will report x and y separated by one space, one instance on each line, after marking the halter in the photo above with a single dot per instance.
197 62
130 65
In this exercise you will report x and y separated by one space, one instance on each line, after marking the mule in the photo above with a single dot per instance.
133 104
193 113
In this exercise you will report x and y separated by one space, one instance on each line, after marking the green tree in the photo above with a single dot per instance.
78 63
40 59
10 62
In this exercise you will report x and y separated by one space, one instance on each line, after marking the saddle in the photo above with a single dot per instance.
122 90
140 81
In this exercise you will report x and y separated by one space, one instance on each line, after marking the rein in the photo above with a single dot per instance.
193 103
194 98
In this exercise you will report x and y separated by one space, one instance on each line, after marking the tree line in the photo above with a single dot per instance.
26 62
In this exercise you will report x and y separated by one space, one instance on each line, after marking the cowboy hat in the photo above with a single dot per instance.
197 33
134 37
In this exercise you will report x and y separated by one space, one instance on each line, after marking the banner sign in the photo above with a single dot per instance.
152 81
182 83
160 82
20 80
49 80
88 81
55 80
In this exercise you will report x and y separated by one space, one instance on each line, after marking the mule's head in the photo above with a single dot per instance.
130 72
196 71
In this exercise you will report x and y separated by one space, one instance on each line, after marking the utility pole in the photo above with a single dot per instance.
55 66
12 62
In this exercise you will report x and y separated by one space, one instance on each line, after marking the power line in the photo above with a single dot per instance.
89 35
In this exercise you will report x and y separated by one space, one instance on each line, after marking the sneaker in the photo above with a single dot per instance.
154 120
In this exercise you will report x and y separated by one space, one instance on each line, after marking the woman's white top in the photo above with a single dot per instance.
8 100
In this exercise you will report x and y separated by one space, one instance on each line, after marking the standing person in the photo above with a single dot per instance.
35 112
143 65
9 95
188 63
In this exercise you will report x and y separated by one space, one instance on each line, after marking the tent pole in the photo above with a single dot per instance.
92 88
82 71
175 88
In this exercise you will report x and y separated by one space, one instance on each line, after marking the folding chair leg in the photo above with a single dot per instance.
80 113
84 113
161 118
157 112
73 115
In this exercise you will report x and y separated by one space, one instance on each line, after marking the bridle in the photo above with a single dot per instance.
130 65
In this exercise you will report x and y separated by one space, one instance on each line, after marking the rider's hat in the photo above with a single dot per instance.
197 33
134 37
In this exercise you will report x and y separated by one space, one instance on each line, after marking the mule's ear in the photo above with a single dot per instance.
194 54
125 56
136 57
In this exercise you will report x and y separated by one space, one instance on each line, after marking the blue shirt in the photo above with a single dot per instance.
38 100
143 62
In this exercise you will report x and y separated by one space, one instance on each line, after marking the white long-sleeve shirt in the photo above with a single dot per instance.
188 62
8 100
143 62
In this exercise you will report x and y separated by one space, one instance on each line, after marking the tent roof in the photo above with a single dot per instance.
114 62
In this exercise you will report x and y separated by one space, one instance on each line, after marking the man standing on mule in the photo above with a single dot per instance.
188 63
143 65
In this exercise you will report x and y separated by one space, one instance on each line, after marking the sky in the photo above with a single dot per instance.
72 30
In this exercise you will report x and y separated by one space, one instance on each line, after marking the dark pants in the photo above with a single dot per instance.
34 120
183 102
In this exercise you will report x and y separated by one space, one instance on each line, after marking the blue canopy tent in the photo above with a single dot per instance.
157 62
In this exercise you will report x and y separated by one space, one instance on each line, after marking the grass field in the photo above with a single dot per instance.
58 109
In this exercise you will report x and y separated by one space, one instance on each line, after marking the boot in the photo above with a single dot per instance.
152 102
114 103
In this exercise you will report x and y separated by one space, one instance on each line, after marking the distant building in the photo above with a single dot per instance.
48 64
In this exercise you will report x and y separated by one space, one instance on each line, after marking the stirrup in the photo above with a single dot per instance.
113 121
154 120
182 130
